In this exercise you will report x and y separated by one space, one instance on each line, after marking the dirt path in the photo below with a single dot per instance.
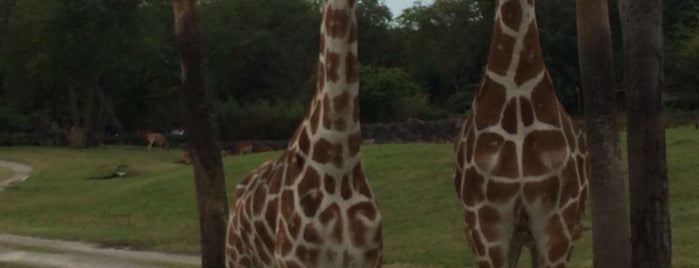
21 173
39 252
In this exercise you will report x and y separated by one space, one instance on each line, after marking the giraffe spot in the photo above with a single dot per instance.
506 165
332 64
489 104
336 22
245 262
488 150
527 111
346 188
308 256
321 69
570 187
275 184
500 192
484 264
283 243
351 72
496 256
489 220
325 152
315 118
311 202
545 192
332 212
373 254
287 204
531 62
327 112
329 184
259 200
359 180
261 229
509 117
340 103
543 151
570 217
512 17
304 141
292 264
310 234
356 215
294 167
272 212
294 225
472 187
501 49
470 219
309 181
557 242
545 103
354 142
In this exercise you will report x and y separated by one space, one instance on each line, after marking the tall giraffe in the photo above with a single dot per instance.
521 164
312 206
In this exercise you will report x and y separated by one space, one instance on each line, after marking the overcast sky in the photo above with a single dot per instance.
397 6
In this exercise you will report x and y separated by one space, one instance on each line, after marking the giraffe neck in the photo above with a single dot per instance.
331 127
515 52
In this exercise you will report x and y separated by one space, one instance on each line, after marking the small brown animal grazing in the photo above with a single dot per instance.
156 138
242 148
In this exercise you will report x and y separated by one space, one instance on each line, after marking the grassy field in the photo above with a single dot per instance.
5 174
154 206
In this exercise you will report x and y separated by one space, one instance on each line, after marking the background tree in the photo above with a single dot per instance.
641 22
610 221
202 135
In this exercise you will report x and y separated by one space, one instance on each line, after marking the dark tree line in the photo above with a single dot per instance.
107 66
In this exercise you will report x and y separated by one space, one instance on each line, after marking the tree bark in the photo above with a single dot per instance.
610 223
202 136
641 22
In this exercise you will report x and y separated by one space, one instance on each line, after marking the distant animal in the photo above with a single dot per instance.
263 148
242 148
155 138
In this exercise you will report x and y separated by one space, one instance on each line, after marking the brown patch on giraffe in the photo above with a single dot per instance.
294 225
472 187
330 213
245 262
570 187
292 264
489 219
354 142
340 103
310 197
283 243
359 181
557 242
332 64
509 117
272 212
329 183
336 22
545 103
259 200
294 167
570 217
500 192
351 72
309 181
488 147
476 243
355 215
304 142
496 256
308 256
531 63
310 234
500 54
315 117
346 188
484 264
545 191
325 152
261 230
288 203
470 218
527 111
490 101
512 17
321 73
506 165
327 120
542 152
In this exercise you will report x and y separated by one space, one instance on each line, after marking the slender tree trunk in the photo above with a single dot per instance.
641 22
610 222
202 135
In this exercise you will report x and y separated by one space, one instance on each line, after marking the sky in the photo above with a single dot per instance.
397 6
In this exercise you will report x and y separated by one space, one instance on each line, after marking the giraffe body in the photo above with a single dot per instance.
312 206
521 164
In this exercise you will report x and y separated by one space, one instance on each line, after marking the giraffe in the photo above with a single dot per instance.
312 206
521 163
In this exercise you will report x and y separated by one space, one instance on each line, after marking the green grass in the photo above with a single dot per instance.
154 207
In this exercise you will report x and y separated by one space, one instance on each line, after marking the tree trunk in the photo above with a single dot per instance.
641 22
610 223
202 135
